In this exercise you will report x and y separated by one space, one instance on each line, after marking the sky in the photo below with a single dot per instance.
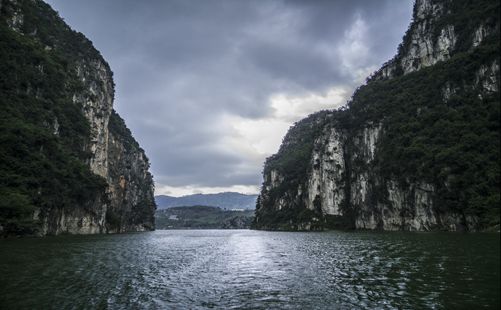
209 88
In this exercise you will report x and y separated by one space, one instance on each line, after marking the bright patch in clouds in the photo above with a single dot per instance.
256 137
210 88
293 108
260 138
354 51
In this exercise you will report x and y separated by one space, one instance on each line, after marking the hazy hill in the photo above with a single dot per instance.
202 217
226 200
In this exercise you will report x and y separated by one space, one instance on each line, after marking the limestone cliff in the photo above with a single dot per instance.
417 147
83 171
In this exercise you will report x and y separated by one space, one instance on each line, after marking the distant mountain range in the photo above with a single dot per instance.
201 217
226 200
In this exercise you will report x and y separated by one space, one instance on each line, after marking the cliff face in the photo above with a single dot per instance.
131 189
417 148
83 172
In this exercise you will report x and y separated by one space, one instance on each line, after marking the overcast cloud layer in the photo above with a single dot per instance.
209 88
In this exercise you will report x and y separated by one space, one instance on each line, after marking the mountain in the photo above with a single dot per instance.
68 163
203 217
416 148
227 200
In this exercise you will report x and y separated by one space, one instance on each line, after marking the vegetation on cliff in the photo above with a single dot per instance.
439 126
44 132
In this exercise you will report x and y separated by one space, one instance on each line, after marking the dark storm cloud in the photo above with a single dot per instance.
180 66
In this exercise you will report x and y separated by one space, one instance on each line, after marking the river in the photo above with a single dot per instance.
243 269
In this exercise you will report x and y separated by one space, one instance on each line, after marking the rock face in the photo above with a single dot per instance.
422 46
131 190
116 187
432 36
405 154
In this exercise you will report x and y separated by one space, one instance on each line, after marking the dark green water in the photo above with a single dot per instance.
252 269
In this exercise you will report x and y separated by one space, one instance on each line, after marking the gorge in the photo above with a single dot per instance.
209 89
416 147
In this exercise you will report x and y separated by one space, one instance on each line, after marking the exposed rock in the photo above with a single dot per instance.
131 187
16 19
346 183
447 91
480 34
97 102
326 180
126 202
428 42
487 78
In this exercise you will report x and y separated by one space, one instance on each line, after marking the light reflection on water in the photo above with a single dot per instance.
252 269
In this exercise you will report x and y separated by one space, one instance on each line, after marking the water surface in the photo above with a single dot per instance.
233 269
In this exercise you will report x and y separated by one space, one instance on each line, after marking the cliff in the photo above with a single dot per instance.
68 162
416 148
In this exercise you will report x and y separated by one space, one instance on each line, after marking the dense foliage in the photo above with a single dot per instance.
42 134
291 159
53 83
452 143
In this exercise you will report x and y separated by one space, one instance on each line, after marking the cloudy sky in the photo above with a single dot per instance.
209 88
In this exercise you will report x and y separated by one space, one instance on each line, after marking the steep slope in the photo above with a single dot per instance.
417 147
68 162
228 200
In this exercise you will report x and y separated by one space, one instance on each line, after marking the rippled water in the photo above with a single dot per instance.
252 269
